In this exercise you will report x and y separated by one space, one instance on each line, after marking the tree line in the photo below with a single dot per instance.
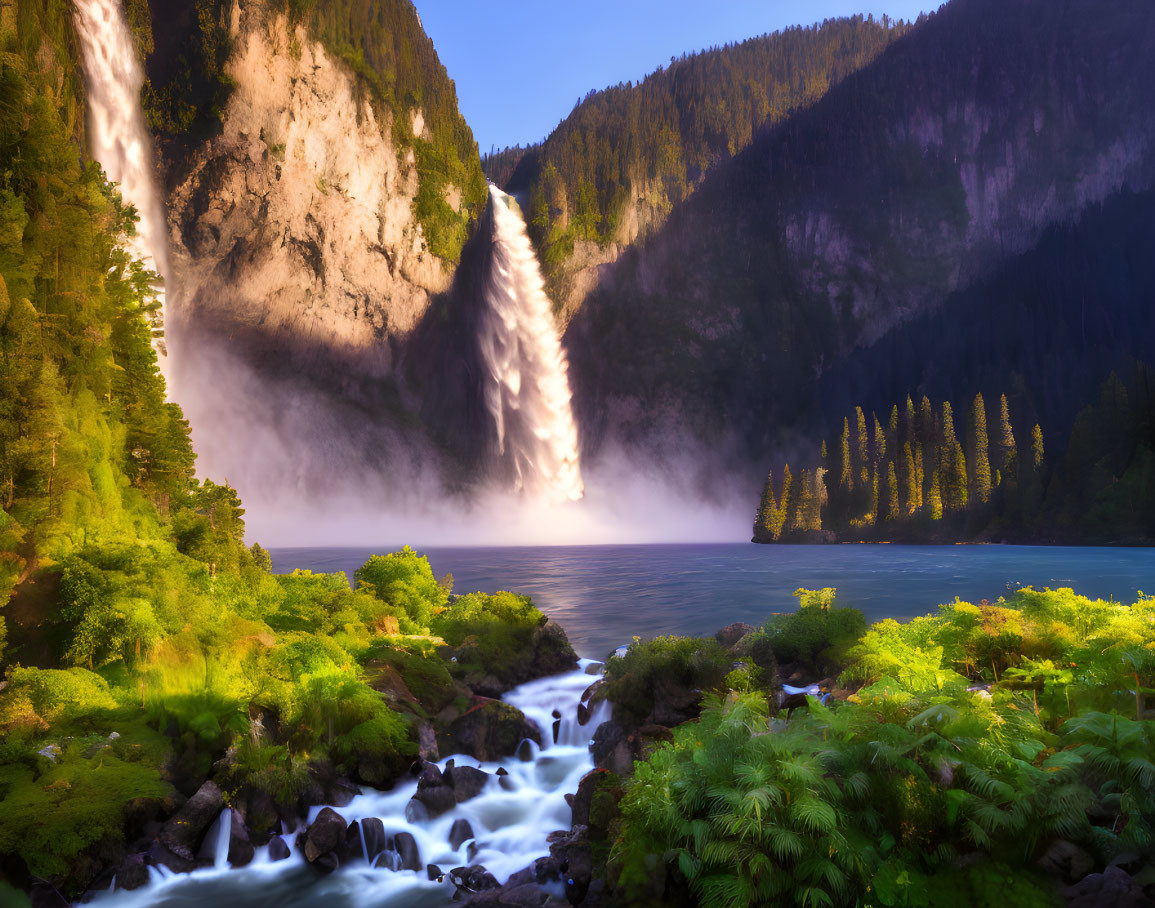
922 473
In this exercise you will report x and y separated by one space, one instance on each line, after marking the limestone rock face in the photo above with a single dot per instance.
293 229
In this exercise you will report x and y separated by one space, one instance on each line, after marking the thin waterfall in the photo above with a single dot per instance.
527 390
117 134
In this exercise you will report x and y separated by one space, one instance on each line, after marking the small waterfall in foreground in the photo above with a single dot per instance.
117 134
526 387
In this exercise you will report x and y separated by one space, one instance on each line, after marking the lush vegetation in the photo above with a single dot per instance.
657 139
926 475
144 647
979 736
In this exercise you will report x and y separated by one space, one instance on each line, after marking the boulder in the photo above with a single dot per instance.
325 834
488 731
373 834
183 834
406 847
732 633
1066 860
1113 888
466 782
473 879
460 833
278 850
580 801
133 873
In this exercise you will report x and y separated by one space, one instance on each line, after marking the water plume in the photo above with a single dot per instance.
526 389
118 137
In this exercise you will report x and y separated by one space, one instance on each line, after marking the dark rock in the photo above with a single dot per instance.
489 730
159 855
614 748
259 811
467 782
373 832
44 895
580 801
406 847
525 751
351 849
133 873
240 844
327 862
595 668
474 879
182 835
426 741
341 792
521 895
674 703
434 873
459 833
434 800
1066 860
732 633
278 850
324 835
1113 888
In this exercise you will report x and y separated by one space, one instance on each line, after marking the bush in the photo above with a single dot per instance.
687 665
403 580
816 636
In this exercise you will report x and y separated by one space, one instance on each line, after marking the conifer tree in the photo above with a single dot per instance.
928 444
845 476
782 512
978 453
934 498
878 472
893 510
1037 454
1006 455
952 465
911 484
862 448
764 519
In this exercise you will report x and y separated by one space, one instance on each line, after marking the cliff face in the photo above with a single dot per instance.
909 181
293 230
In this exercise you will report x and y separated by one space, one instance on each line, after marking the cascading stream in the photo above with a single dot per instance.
527 390
117 133
510 822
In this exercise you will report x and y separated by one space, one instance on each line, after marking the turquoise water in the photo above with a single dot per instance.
605 595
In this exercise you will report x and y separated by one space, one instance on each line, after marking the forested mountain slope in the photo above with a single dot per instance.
910 180
614 168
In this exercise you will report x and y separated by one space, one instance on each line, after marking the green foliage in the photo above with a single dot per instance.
403 580
817 635
635 680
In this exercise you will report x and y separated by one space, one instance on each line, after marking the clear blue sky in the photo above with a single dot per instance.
520 65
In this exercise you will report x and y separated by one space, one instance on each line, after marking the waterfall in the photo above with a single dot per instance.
117 134
526 388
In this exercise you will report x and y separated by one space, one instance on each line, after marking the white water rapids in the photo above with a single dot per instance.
527 390
511 821
117 134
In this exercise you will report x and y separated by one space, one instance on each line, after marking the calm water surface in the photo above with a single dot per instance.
605 595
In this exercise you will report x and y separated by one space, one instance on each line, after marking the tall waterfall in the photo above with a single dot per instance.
526 390
117 134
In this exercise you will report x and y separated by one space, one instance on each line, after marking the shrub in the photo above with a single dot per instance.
816 636
404 580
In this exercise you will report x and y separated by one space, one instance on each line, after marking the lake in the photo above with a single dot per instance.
605 595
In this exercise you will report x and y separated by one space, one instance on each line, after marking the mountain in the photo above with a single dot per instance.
615 167
913 179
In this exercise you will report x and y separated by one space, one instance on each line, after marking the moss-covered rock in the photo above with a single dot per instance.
489 730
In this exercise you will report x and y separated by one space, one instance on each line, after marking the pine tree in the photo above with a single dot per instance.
911 484
845 475
1037 454
952 465
928 443
782 512
935 497
878 467
764 519
1006 455
893 510
862 448
978 453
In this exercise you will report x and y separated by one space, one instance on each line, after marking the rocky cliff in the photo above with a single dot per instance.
293 229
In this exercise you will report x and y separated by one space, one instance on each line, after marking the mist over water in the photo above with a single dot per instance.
117 134
526 389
